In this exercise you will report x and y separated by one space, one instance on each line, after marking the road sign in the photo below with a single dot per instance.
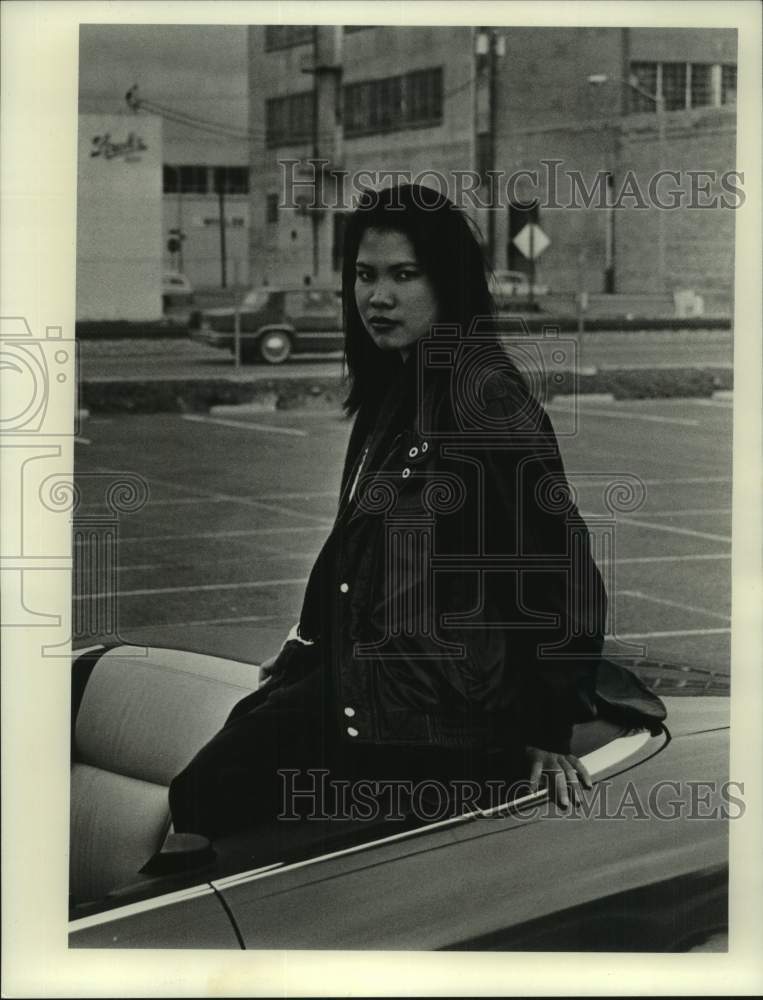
532 241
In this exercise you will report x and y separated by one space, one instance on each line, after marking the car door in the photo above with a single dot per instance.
315 315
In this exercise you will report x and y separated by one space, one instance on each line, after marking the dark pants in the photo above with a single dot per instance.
234 782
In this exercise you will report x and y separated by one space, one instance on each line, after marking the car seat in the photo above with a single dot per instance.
138 717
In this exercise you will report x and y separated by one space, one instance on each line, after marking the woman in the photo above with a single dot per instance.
453 621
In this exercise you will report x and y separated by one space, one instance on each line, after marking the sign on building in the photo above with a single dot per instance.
119 217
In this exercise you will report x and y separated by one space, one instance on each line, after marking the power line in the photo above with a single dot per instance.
220 129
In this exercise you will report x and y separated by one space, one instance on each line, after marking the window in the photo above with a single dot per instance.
232 180
289 119
271 208
644 76
192 179
171 182
674 86
701 85
394 102
681 85
286 36
728 84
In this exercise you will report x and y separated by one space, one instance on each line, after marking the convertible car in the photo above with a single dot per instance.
640 865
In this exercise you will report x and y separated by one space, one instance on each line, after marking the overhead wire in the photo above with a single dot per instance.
223 130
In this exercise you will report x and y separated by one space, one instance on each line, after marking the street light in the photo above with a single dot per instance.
597 80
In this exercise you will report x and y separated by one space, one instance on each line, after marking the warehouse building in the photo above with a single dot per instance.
564 128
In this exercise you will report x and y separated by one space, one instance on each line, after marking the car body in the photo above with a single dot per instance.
522 876
177 290
511 288
275 322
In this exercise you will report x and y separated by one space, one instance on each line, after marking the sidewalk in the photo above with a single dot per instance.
182 376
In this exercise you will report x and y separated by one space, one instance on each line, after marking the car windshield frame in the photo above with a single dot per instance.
256 298
229 866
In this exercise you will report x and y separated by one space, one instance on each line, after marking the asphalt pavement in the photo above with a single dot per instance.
240 504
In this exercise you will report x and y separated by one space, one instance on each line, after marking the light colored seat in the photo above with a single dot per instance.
143 715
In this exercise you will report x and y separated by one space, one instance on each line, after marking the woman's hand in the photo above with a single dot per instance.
563 774
266 669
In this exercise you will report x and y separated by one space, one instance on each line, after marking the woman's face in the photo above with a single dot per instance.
395 299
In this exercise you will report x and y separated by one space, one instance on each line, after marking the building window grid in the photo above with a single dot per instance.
700 85
287 36
231 180
193 180
728 83
674 86
271 208
289 119
682 85
645 75
170 180
392 103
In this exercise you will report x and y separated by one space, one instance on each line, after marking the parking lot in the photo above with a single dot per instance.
240 504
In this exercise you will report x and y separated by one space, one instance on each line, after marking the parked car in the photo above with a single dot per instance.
176 290
275 323
510 288
519 876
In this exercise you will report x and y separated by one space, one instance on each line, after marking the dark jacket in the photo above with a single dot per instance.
455 602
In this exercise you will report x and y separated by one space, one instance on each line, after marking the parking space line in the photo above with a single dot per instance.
318 495
221 621
683 558
723 404
151 591
233 533
677 634
676 531
290 431
632 415
673 604
202 494
698 512
687 481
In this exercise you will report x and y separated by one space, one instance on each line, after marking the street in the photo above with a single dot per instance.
240 504
184 358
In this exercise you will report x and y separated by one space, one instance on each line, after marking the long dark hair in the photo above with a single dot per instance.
449 254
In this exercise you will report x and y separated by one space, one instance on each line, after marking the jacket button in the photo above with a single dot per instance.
349 712
424 446
413 452
344 587
351 731
406 473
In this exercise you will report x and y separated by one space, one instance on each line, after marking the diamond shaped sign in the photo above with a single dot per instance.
531 240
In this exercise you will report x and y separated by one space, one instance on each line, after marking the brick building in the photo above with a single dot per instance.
609 106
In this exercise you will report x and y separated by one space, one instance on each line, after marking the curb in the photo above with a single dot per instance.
535 322
225 395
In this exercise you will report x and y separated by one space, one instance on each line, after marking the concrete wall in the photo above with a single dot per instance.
283 251
545 109
119 217
198 216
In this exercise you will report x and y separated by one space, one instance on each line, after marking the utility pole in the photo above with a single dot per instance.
491 142
327 134
220 175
